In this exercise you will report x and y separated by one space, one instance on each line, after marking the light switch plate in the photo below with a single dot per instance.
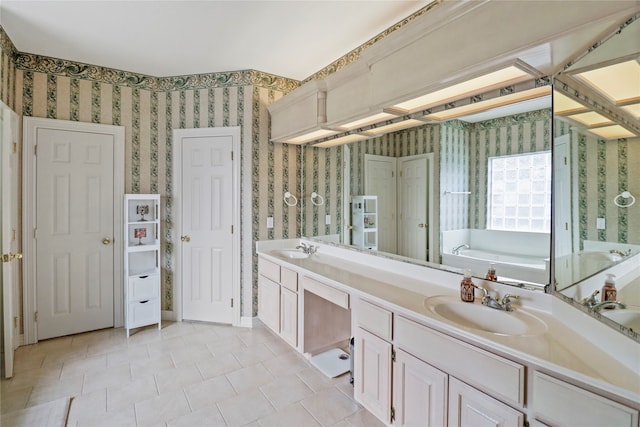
600 223
269 222
327 219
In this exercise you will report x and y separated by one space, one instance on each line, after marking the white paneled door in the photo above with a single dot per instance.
75 230
380 180
207 209
413 197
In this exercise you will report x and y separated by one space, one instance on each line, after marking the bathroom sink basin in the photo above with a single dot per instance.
479 317
625 317
291 254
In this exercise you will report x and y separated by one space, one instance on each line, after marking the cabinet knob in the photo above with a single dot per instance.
106 241
185 238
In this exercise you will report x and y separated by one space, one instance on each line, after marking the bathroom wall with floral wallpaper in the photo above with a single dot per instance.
149 108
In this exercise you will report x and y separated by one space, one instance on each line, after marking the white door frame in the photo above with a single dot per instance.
178 134
31 125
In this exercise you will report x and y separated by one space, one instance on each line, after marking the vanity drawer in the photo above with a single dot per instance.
143 312
269 269
289 279
144 287
374 319
492 373
579 407
327 292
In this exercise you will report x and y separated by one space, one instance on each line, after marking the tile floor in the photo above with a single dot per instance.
188 374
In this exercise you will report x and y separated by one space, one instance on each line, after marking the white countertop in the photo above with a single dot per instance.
562 349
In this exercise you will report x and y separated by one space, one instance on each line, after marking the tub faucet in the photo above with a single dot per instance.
607 304
456 250
617 252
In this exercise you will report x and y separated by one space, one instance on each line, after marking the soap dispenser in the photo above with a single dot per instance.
467 288
491 273
609 291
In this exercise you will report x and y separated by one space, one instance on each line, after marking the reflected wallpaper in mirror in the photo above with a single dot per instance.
454 156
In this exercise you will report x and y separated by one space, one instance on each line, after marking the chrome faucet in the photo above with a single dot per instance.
456 250
307 249
591 300
622 254
491 302
607 304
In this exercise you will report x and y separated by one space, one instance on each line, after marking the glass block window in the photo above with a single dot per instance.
519 192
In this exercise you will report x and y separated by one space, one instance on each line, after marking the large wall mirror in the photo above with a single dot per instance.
597 178
472 192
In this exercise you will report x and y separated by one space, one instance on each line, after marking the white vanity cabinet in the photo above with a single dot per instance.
278 299
372 359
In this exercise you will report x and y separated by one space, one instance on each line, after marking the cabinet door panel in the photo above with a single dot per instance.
372 377
269 303
469 407
419 392
289 316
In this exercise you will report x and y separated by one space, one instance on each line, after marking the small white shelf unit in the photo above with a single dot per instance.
141 260
364 220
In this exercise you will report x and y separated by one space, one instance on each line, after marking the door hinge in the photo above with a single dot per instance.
13 235
15 322
231 302
232 229
393 414
565 161
232 155
35 316
35 150
35 233
392 174
393 355
15 147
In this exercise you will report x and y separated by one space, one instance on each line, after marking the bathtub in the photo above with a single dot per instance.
509 267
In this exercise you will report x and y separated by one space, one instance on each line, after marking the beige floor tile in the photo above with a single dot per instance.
201 336
27 361
15 399
161 409
218 365
286 390
120 374
124 395
88 408
249 378
205 417
126 355
190 353
286 363
315 379
255 335
177 378
277 346
176 329
364 418
292 415
57 357
255 354
80 366
165 345
209 392
330 406
123 417
36 376
225 345
46 391
155 363
245 408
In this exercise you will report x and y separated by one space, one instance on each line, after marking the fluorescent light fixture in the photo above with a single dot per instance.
342 140
393 127
490 103
612 132
563 105
591 119
321 133
503 77
634 110
620 83
366 121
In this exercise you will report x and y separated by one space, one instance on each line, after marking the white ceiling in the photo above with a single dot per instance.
290 38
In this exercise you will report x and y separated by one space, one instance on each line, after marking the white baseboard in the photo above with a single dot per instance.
168 315
247 322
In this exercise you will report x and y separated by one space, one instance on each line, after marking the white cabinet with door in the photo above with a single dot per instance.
278 299
141 260
364 220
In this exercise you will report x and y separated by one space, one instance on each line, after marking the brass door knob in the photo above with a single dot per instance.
185 238
422 225
106 241
16 256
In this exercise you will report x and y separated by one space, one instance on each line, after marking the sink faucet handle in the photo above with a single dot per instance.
506 301
590 301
